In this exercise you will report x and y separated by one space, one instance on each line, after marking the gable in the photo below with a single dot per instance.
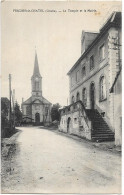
45 101
37 101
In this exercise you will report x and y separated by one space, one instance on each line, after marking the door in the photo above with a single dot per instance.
68 125
37 118
92 96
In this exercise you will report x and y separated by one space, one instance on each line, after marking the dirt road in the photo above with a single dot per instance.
46 162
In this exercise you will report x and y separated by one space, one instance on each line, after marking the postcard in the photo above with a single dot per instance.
61 102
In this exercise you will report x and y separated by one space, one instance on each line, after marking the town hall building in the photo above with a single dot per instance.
95 79
36 109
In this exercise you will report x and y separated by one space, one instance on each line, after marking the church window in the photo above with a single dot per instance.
102 88
84 96
37 85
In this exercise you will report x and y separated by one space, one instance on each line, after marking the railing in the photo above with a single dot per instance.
83 111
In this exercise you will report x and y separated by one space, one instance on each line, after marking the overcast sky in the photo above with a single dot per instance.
57 37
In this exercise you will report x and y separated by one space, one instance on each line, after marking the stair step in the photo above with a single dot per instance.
99 122
103 139
105 135
100 133
101 130
100 126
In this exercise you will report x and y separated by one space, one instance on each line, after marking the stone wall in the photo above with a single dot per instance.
74 121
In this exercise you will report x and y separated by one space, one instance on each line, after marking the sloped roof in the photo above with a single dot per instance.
29 101
46 101
114 20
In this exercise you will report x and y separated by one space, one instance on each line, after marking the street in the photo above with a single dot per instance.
45 161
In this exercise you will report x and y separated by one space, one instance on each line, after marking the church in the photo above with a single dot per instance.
36 109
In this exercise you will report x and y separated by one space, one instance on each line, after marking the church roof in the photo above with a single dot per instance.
36 71
46 101
30 101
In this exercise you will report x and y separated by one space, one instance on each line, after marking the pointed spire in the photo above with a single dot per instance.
36 66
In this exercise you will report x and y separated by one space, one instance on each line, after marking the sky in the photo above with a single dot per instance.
57 38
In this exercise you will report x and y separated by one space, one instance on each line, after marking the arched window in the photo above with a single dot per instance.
73 100
84 97
78 96
102 88
37 85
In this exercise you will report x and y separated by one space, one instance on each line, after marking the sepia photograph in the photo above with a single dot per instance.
61 97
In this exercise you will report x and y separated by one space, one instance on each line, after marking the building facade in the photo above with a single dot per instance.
93 76
36 109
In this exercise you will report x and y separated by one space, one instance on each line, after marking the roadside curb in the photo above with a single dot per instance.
103 146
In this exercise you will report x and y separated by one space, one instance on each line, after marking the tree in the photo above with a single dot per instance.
55 114
18 113
4 111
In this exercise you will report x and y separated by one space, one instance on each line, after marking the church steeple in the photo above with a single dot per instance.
36 79
36 66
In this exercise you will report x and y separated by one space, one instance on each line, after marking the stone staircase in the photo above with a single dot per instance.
100 129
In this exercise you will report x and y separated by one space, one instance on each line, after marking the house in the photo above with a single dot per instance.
95 86
36 109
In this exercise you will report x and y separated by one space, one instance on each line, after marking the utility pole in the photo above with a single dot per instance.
13 106
10 112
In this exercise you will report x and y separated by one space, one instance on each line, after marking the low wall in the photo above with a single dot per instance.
75 122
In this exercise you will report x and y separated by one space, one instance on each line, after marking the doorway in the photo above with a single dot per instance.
37 118
92 95
68 125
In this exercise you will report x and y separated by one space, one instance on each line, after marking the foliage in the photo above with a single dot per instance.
4 111
18 113
55 114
